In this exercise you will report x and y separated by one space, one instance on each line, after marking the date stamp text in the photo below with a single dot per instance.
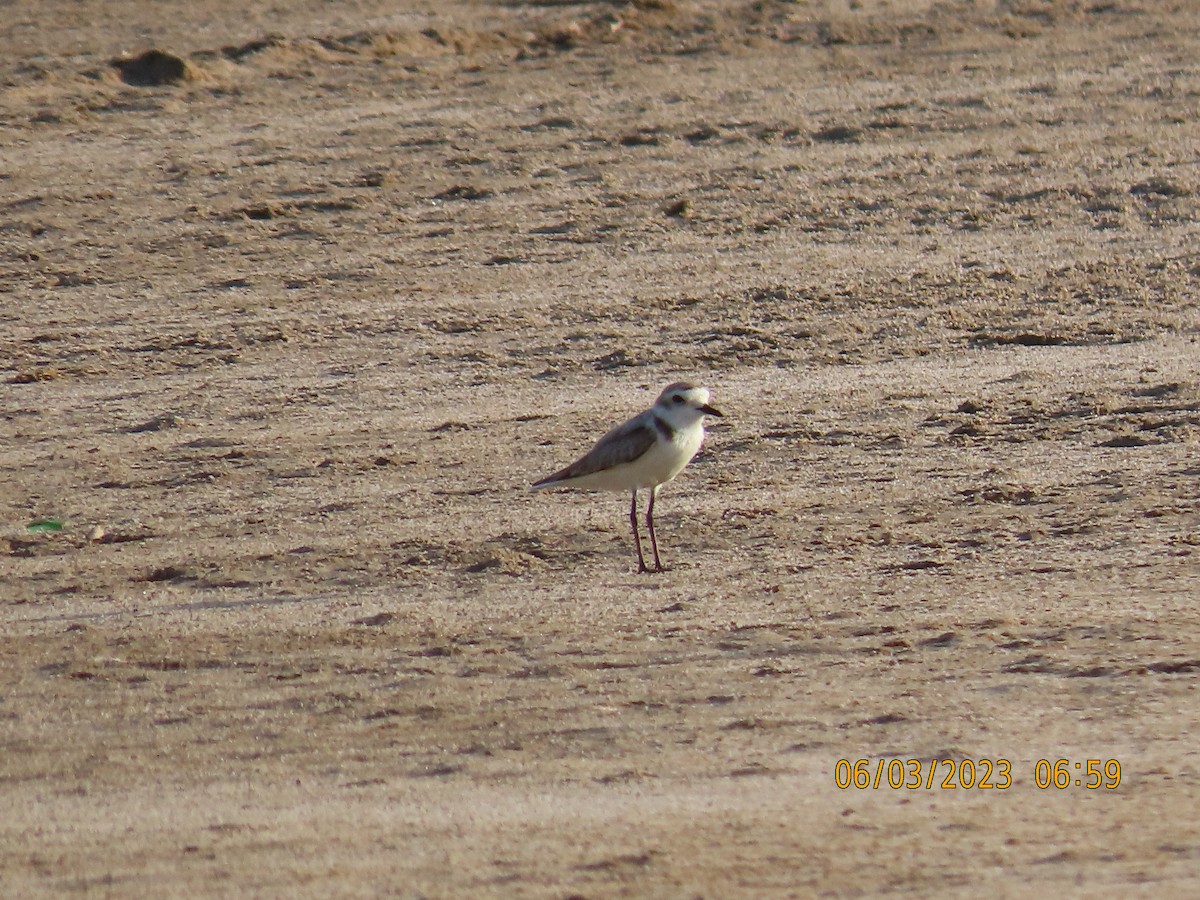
972 774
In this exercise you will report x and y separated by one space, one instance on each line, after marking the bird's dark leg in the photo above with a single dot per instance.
658 566
637 538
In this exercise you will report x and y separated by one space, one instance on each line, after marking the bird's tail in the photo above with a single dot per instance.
551 480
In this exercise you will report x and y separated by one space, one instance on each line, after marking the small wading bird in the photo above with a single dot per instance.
645 452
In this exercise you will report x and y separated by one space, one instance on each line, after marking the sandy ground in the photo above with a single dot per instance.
293 313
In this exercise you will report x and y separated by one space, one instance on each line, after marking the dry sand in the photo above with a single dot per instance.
295 309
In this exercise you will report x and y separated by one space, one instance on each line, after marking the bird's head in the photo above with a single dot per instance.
681 404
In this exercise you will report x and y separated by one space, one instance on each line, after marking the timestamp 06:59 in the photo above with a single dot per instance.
968 774
1091 774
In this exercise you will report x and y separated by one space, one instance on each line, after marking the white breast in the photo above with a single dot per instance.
666 459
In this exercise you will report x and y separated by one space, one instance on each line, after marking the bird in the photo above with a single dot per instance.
644 452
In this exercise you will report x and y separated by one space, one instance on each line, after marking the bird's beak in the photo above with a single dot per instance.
712 411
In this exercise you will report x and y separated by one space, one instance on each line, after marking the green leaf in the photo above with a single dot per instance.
43 526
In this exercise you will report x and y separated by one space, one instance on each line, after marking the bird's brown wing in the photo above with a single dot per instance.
623 444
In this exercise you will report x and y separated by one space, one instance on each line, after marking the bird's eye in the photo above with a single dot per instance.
676 399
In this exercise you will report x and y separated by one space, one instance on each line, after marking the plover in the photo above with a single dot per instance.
645 452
